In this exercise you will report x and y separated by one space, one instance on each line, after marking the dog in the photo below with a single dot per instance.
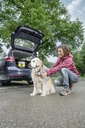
43 86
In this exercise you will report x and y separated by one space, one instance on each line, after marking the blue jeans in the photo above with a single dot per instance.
68 78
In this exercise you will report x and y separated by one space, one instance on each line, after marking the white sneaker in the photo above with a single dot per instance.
66 92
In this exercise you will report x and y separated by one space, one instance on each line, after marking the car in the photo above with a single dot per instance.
15 61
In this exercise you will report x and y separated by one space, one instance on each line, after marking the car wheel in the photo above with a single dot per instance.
30 82
8 82
1 83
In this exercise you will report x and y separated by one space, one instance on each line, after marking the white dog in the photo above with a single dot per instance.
41 85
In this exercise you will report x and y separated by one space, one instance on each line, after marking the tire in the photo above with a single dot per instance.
1 83
30 82
8 82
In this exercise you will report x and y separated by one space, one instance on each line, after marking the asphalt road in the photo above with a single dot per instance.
19 110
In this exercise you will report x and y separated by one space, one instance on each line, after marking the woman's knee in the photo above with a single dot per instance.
63 70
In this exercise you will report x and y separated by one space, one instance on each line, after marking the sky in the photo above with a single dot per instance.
76 8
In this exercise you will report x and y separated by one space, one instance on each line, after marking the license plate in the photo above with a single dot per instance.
21 64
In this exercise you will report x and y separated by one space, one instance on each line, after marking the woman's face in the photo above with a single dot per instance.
60 52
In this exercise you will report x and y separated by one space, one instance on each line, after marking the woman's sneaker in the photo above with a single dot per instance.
66 92
71 87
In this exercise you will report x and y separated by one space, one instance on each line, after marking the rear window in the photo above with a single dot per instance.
26 44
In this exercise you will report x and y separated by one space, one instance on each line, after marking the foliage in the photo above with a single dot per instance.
50 17
79 59
50 65
78 62
82 53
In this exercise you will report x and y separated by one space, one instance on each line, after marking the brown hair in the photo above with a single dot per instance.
65 49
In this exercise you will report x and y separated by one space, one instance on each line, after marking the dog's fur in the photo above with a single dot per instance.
43 86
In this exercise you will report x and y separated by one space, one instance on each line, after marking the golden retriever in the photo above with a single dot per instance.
43 86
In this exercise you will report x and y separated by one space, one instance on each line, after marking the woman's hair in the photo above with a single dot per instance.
65 49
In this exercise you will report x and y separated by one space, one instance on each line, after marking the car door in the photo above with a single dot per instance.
26 39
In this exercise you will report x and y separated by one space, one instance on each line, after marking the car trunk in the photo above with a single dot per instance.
22 64
22 59
26 39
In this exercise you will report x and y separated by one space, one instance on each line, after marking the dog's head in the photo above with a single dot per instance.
36 63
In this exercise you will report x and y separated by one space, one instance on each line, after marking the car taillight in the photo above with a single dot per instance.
11 58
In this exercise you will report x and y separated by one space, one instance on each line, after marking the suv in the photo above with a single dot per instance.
15 62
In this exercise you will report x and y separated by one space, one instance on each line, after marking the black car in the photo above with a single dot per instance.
15 62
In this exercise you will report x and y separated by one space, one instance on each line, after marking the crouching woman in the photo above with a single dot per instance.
67 68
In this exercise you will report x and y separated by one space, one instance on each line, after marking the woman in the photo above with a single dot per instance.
66 66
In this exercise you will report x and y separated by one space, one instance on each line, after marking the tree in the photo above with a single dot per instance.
78 62
50 17
82 55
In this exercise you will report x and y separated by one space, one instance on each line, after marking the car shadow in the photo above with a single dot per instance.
17 84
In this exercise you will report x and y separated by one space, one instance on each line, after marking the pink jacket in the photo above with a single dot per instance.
65 62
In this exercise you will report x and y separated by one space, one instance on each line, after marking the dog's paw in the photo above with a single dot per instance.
32 94
53 91
43 94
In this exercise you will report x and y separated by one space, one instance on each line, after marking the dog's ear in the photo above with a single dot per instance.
39 62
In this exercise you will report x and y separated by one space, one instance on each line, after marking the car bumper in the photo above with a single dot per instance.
16 75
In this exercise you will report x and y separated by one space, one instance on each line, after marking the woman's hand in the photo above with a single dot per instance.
44 74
